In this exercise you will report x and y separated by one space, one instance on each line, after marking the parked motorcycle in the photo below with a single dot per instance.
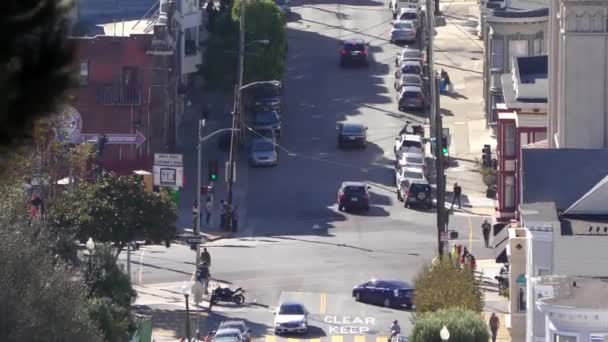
225 294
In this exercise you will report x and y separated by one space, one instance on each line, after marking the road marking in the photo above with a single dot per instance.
270 338
470 233
337 339
323 304
381 339
293 340
314 340
359 338
141 267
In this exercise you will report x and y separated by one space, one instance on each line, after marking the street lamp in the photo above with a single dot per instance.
91 247
186 293
444 333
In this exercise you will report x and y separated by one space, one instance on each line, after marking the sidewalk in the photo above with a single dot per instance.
460 53
493 301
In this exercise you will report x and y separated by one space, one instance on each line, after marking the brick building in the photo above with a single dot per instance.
127 91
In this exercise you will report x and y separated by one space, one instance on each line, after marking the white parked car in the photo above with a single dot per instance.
291 317
408 173
228 327
410 14
409 67
408 80
409 54
403 31
228 333
411 143
396 5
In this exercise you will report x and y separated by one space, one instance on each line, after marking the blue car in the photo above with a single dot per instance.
390 293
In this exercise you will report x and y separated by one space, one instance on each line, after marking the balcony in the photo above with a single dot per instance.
118 95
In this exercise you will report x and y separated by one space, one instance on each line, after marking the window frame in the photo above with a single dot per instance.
509 189
497 43
509 140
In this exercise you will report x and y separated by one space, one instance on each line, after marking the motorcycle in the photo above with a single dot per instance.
225 294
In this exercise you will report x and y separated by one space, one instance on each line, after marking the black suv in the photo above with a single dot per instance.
353 195
354 51
351 134
415 192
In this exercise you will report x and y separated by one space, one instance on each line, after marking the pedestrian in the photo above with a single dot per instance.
463 255
470 262
454 254
208 208
194 214
485 230
457 191
494 323
203 275
206 257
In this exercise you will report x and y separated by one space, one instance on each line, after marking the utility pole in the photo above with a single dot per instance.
436 128
238 112
199 204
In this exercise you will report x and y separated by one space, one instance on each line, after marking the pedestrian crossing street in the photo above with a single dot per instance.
334 338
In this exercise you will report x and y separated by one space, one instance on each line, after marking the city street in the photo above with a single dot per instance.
295 244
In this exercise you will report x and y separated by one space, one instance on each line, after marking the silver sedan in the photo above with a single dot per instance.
263 152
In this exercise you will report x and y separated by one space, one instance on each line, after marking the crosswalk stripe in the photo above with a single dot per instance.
337 339
293 340
271 338
360 338
381 339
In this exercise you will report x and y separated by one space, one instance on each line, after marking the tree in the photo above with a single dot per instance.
41 298
264 20
463 325
444 285
116 209
36 66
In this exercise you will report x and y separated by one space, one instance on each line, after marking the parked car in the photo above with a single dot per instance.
409 67
390 293
351 134
239 325
409 54
353 195
411 97
263 152
403 31
408 143
228 333
263 97
268 121
407 172
396 5
291 317
354 51
410 14
409 80
412 159
417 192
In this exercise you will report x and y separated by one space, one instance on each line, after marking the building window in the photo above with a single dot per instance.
509 140
537 46
558 337
518 48
540 136
543 271
84 72
498 53
509 195
598 337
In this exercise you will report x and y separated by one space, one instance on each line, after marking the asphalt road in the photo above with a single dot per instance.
298 245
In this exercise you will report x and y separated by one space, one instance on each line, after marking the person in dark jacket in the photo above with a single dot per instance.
485 230
457 191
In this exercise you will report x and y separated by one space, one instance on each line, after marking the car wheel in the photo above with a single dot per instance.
358 297
387 303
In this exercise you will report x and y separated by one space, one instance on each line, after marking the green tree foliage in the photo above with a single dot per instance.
463 325
36 64
444 285
41 298
116 209
264 20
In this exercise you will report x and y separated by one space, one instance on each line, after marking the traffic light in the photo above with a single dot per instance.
212 170
444 145
486 157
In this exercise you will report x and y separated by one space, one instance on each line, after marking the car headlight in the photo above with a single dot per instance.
303 324
277 324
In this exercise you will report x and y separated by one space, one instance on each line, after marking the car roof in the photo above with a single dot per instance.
411 88
352 124
354 41
412 137
232 322
404 76
411 49
403 21
412 154
412 168
408 9
411 62
229 330
353 183
422 181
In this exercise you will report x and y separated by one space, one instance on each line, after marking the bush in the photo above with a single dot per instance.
463 325
445 285
488 176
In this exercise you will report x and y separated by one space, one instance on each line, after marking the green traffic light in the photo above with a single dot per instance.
213 177
445 151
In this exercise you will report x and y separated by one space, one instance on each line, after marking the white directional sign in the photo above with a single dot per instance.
168 169
168 159
194 239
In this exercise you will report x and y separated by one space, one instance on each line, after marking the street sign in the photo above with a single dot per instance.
194 239
168 176
112 138
168 159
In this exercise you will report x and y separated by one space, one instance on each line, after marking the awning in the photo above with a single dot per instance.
500 251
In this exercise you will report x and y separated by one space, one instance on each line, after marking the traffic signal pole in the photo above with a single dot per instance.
197 228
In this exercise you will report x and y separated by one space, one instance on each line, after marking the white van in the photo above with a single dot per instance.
397 5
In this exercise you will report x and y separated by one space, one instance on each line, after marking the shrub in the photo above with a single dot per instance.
463 325
445 285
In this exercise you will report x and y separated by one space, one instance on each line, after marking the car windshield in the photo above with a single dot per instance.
408 16
413 160
267 118
354 190
291 310
412 53
411 80
409 143
412 174
227 333
412 94
403 25
420 187
352 129
354 46
410 69
262 145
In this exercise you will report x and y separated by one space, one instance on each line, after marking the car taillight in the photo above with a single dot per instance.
343 52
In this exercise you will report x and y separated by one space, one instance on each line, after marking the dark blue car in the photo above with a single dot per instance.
390 293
